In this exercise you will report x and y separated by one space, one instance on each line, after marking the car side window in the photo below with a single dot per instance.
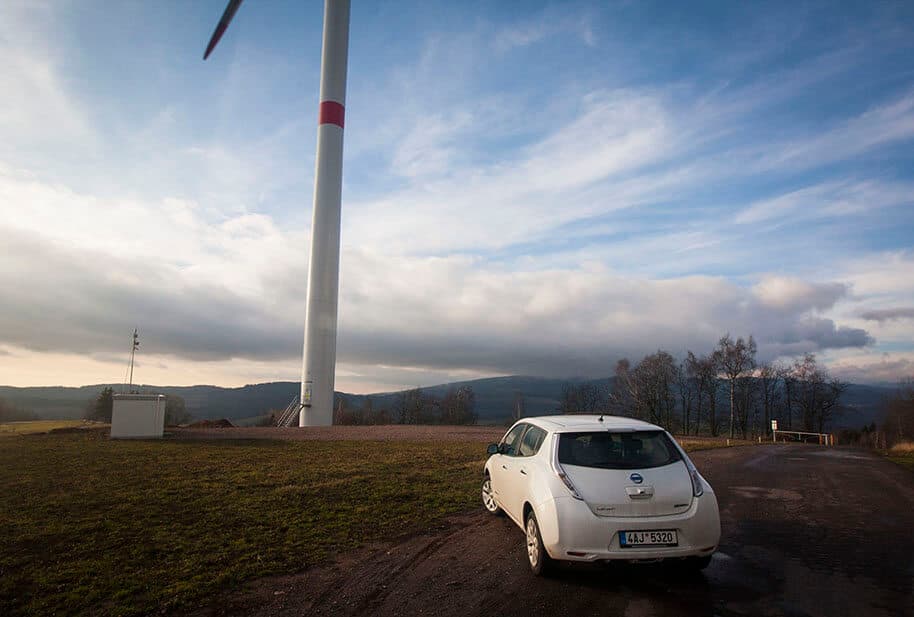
532 441
512 439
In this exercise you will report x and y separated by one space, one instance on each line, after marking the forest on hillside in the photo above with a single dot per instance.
723 391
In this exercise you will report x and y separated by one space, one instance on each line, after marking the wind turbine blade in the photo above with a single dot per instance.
230 11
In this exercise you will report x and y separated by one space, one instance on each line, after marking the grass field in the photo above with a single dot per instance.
92 525
903 454
9 429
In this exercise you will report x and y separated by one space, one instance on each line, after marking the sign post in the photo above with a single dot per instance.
774 430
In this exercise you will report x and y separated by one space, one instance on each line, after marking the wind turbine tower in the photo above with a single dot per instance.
319 358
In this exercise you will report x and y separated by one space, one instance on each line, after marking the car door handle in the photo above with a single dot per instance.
523 472
504 466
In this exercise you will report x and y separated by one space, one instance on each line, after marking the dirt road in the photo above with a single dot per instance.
806 531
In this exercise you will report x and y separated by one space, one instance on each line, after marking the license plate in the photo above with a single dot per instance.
663 537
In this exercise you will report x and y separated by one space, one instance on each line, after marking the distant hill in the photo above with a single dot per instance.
494 395
57 402
494 398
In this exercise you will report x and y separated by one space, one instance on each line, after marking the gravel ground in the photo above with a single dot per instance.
807 531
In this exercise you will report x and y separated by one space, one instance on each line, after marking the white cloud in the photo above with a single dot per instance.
455 313
890 314
37 111
531 31
430 148
872 366
798 296
487 206
827 199
883 124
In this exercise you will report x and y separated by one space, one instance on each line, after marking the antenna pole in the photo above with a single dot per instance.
319 357
133 348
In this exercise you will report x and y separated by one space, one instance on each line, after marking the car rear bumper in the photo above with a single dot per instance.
571 531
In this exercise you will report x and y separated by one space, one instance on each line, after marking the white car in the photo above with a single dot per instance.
599 488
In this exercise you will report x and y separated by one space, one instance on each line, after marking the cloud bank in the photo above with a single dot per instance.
500 216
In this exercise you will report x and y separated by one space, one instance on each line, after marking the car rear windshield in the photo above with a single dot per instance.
621 450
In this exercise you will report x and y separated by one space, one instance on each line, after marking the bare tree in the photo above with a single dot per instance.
649 387
899 417
400 408
620 400
591 398
746 404
568 403
685 382
458 406
520 406
586 397
816 393
415 407
703 370
789 392
341 415
735 358
769 377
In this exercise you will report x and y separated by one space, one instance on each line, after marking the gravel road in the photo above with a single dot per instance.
806 531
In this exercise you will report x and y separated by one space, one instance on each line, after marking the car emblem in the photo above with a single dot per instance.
636 478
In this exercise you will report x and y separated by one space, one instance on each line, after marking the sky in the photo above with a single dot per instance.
529 188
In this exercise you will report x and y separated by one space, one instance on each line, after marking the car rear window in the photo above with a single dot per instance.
621 450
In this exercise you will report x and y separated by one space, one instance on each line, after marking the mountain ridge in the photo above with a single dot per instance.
494 398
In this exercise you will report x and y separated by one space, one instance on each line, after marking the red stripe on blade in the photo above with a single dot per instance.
331 112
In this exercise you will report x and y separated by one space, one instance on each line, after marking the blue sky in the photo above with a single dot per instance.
529 188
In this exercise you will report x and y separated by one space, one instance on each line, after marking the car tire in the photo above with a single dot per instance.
488 500
540 561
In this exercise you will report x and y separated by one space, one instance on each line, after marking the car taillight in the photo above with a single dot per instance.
564 476
697 488
557 468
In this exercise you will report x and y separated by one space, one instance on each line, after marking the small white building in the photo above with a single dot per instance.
138 416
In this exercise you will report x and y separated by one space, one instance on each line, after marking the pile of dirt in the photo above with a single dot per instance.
221 423
77 429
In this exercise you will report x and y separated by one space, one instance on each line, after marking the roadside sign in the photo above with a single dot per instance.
774 425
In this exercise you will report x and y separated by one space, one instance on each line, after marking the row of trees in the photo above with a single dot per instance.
898 425
416 406
345 413
724 389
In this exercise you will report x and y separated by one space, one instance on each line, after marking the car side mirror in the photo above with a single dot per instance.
492 449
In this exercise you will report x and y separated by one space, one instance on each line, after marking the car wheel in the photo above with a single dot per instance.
539 559
488 500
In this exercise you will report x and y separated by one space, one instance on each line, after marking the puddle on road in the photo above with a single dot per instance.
814 592
842 454
759 492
